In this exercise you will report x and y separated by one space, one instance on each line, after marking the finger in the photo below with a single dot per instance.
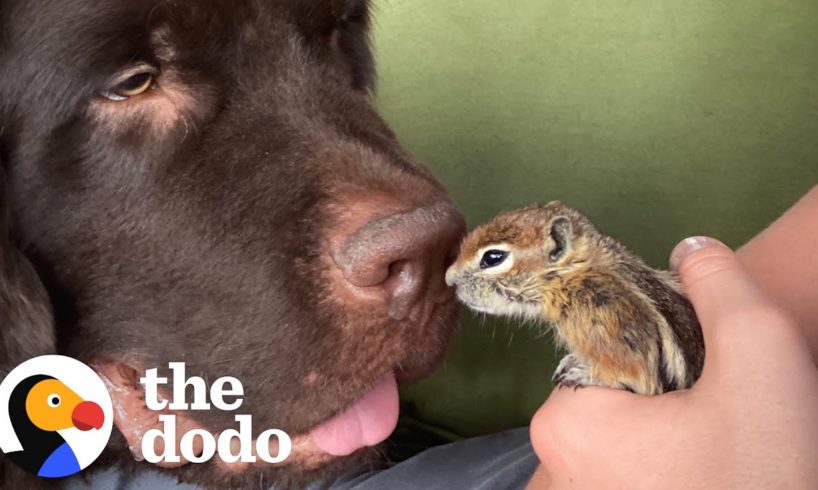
575 430
575 421
716 283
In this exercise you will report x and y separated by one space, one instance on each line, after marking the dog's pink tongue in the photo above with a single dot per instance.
367 422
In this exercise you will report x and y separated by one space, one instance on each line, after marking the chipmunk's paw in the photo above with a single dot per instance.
572 373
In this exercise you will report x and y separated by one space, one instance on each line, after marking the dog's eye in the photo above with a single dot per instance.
136 84
493 258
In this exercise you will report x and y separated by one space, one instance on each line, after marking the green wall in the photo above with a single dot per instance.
657 118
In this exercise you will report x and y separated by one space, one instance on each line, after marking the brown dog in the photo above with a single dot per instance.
208 182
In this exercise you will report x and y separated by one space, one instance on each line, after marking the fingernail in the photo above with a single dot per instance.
688 246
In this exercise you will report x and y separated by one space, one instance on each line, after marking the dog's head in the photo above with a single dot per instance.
207 181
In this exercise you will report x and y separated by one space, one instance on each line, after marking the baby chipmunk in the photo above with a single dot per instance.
624 324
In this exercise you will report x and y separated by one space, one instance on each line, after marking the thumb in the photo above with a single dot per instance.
720 289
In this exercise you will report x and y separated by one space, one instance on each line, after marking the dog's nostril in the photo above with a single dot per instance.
405 255
404 289
451 257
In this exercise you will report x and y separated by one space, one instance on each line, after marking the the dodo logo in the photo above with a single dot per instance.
55 416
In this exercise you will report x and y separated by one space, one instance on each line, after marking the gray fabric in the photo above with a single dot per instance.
496 462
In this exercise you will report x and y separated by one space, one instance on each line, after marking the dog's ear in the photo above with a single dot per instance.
26 320
344 25
26 323
323 16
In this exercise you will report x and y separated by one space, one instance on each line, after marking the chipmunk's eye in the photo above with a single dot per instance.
493 258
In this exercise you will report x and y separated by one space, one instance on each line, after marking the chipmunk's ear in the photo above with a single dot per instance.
559 231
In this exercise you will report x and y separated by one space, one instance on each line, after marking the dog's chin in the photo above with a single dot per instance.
308 462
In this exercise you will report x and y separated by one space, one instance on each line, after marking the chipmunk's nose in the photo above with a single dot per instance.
451 277
404 257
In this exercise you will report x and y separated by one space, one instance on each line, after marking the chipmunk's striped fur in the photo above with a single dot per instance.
624 324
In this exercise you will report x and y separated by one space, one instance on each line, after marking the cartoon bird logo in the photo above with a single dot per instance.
39 407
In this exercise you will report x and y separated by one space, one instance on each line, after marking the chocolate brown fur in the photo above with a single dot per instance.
195 227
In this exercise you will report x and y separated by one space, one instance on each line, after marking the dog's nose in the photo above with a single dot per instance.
405 257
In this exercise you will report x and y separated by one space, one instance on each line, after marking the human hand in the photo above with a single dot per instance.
751 421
